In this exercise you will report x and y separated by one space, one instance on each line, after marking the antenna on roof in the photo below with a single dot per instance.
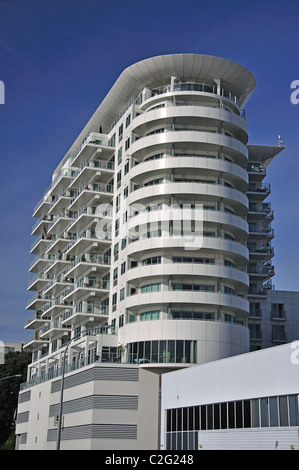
280 142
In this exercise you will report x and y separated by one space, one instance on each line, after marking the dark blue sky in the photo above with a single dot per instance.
59 58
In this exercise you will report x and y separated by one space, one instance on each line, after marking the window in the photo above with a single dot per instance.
154 315
121 321
152 260
128 120
119 155
118 178
127 144
151 288
122 294
127 167
115 276
123 268
126 192
277 311
283 411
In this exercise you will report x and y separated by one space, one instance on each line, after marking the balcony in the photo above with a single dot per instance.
94 145
89 170
258 191
81 264
255 315
58 263
60 222
84 311
54 328
42 206
40 262
55 306
89 215
34 341
155 93
260 232
88 192
84 239
36 321
61 181
38 281
59 203
279 336
265 272
256 169
278 315
41 225
256 292
256 335
262 253
88 286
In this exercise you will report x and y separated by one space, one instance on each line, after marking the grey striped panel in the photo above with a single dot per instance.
23 438
23 417
96 431
23 397
98 373
104 402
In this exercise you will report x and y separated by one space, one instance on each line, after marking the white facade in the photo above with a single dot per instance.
153 241
248 401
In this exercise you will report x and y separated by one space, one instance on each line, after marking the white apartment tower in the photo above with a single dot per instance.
153 241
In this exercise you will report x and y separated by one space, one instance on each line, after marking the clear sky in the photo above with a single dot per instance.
59 58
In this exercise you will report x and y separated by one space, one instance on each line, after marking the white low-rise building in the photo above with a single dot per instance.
249 401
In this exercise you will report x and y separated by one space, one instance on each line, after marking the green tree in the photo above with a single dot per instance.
15 363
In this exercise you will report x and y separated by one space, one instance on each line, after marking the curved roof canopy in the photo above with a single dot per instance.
156 71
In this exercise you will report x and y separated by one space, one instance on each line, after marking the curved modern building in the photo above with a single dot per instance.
144 229
153 241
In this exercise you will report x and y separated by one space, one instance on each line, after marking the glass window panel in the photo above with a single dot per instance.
173 443
185 419
255 413
185 440
188 351
171 351
264 412
293 408
179 351
179 441
210 416
173 420
203 424
168 441
196 417
273 408
247 415
191 418
191 445
147 350
231 415
162 351
283 411
223 409
168 420
216 416
179 419
154 351
140 350
239 414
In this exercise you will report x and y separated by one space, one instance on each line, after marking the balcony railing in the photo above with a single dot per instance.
259 188
96 164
